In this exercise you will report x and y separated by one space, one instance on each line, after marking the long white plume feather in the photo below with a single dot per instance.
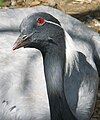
71 54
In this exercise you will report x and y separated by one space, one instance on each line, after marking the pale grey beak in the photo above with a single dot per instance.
20 43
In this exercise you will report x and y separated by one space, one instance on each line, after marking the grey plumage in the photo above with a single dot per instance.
20 84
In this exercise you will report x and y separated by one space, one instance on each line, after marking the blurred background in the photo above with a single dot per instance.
87 11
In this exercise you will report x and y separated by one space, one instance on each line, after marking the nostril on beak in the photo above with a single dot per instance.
24 36
21 42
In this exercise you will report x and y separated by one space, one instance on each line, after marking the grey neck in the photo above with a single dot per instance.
54 62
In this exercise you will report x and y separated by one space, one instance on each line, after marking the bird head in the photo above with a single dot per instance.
38 30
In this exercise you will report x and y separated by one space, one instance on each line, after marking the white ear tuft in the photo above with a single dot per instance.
71 54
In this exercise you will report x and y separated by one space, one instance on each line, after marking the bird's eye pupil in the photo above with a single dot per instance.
40 21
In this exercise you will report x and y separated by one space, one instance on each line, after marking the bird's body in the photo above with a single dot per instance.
23 94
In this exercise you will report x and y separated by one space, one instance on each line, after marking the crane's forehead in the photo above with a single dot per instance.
32 19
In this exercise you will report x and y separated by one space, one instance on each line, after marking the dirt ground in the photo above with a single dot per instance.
88 11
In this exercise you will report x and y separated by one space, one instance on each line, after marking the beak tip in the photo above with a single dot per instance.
14 47
19 43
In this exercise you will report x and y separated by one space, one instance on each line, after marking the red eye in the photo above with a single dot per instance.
40 21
